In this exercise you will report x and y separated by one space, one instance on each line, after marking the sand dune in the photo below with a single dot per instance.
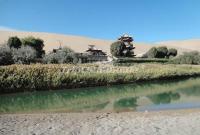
80 44
193 44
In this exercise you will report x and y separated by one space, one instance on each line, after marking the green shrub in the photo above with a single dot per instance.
67 50
132 61
152 53
5 55
14 42
117 48
35 43
51 58
162 52
24 55
172 52
61 56
188 58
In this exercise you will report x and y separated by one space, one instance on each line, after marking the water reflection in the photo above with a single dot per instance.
164 98
141 96
126 104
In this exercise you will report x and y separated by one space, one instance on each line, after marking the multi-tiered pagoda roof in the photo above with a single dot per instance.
126 38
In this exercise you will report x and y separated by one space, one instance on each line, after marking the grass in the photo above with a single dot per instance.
18 78
141 60
132 61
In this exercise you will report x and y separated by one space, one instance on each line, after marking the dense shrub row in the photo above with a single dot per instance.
188 58
44 77
21 51
22 55
61 56
35 43
160 52
5 56
140 60
30 50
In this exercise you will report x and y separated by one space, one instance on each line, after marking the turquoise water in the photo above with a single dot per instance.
120 98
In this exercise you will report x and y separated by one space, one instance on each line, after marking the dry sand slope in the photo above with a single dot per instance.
184 44
177 122
80 44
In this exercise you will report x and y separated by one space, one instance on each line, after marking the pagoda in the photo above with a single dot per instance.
127 41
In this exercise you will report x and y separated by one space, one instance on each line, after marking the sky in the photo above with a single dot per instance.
145 20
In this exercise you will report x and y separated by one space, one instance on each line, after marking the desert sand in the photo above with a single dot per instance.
193 44
80 44
177 122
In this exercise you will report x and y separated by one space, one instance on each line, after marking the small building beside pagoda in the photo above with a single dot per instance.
95 54
92 54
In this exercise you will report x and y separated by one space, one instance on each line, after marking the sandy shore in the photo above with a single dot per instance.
177 122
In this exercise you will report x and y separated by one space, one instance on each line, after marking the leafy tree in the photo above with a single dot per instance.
5 55
14 42
117 48
67 50
152 53
172 52
35 43
123 47
51 58
60 56
162 52
24 55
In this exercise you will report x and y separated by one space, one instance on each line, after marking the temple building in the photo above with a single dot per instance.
127 40
93 54
92 50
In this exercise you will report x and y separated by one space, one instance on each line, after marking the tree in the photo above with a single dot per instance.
60 56
5 55
35 43
123 47
14 42
172 52
24 55
152 53
67 50
117 48
162 52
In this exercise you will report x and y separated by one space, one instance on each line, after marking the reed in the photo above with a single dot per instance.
17 78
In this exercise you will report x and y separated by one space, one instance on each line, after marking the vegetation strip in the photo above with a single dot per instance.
18 78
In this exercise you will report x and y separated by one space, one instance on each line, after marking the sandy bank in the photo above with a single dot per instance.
182 122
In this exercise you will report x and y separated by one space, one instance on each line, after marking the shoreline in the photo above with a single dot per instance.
181 122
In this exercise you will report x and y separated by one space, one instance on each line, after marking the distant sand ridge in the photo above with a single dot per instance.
80 44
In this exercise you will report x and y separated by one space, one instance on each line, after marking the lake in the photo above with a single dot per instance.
144 96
